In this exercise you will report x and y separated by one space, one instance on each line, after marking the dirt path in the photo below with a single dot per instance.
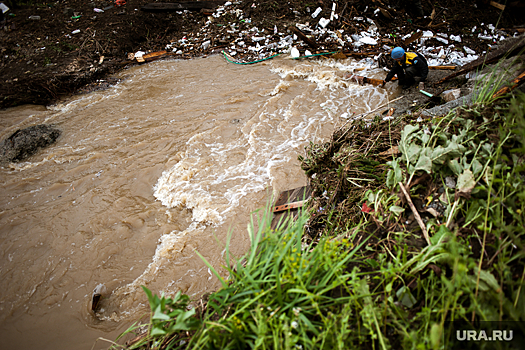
50 50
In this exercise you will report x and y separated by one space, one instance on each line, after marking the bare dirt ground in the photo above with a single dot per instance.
52 49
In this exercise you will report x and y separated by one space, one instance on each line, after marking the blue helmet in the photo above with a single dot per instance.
397 53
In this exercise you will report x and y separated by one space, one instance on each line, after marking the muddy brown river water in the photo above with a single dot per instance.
162 164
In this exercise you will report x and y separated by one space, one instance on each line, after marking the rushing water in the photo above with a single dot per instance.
145 173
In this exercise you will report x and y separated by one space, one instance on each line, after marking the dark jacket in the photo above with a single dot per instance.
411 59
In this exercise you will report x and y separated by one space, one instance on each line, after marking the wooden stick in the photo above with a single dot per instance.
303 37
515 83
442 67
497 5
416 213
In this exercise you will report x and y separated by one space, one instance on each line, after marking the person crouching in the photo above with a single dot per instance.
410 68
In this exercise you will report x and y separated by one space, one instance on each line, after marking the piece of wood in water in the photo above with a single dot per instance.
299 194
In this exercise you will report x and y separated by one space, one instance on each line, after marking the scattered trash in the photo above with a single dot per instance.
34 18
3 7
98 10
323 22
317 12
76 31
368 40
426 93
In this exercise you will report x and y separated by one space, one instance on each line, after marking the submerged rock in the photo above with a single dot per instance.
24 143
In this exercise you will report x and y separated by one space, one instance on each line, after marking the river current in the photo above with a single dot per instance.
161 165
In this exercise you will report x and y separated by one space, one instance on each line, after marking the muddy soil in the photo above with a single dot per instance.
52 49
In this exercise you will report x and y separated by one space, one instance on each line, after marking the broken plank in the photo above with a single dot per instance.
292 198
498 5
412 38
288 206
303 37
442 67
515 83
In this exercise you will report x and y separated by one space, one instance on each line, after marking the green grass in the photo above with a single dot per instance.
365 284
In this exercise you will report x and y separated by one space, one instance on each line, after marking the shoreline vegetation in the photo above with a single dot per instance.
413 224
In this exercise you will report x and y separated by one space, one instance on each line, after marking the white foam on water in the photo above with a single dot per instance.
216 172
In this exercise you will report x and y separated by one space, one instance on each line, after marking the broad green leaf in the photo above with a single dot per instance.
157 331
405 297
476 167
454 165
407 132
466 181
412 152
396 209
441 154
424 163
153 300
159 315
436 332
442 231
490 280
473 212
395 175
425 138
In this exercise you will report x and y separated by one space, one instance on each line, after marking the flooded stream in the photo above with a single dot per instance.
162 164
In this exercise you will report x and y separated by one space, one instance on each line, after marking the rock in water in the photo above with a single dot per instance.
25 142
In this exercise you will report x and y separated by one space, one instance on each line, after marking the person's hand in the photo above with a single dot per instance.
383 85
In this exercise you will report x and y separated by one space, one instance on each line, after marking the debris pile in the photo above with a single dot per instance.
230 29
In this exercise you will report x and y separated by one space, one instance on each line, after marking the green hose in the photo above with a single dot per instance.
231 61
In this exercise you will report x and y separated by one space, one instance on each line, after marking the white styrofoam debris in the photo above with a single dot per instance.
443 40
323 22
443 35
294 52
427 34
485 37
316 12
368 40
468 50
434 62
333 12
455 38
308 53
